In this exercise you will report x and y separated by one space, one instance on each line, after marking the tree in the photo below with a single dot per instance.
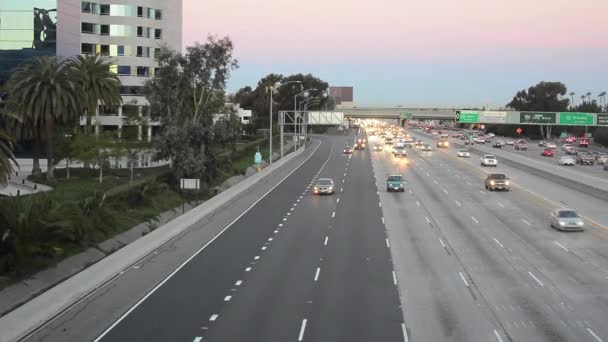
44 95
572 96
588 107
64 138
602 97
97 84
7 159
244 97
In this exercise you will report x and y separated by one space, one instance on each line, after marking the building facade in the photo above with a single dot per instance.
129 32
342 96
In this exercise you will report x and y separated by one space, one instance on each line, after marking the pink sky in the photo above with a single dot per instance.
393 31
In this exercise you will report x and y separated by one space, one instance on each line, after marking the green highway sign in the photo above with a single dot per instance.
568 118
406 115
464 116
602 120
564 135
537 118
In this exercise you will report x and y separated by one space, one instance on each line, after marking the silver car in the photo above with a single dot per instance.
324 186
566 219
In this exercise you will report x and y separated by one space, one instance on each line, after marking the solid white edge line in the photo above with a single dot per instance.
537 280
302 329
394 278
326 239
498 242
333 214
443 244
526 222
388 245
464 279
497 336
594 335
562 246
382 220
197 339
213 317
404 330
427 219
317 273
474 219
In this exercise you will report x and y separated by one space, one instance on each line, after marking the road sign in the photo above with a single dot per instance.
602 119
537 117
258 158
464 116
568 118
493 117
564 135
406 115
190 184
518 130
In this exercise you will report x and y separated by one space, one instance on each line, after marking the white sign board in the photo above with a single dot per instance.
493 117
325 118
190 184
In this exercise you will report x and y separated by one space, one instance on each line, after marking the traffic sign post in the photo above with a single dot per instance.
257 159
518 130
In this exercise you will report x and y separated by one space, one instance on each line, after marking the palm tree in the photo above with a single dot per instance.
572 96
588 96
98 85
44 95
602 97
7 159
583 98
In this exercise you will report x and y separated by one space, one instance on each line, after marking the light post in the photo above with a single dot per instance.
278 84
304 107
295 111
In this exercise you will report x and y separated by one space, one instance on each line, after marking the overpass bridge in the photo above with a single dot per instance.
398 113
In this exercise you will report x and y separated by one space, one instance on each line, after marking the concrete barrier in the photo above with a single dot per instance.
27 318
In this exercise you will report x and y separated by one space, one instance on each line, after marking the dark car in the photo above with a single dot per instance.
360 144
605 167
348 150
498 181
497 144
521 147
542 144
585 159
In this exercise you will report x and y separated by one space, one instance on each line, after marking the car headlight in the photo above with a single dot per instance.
316 189
331 188
492 182
507 183
561 223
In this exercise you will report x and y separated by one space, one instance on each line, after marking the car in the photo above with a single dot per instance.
464 154
395 183
585 159
324 186
601 159
521 147
377 148
571 151
497 144
566 161
521 141
442 143
551 145
347 150
497 181
426 147
606 167
566 219
388 141
489 160
399 151
479 141
584 142
548 152
571 139
444 135
566 146
542 143
360 144
510 142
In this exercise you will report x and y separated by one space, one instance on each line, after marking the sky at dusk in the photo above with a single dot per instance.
414 52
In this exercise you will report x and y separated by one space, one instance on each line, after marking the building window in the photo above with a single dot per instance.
87 28
158 15
140 31
140 11
131 90
158 34
124 70
105 30
143 71
156 70
87 49
85 7
104 50
140 51
151 13
104 9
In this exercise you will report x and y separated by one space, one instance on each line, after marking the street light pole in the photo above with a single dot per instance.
278 84
295 111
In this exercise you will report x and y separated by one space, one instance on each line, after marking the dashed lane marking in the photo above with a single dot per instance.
463 279
561 246
536 279
302 330
227 298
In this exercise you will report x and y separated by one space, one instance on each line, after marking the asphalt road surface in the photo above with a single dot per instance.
444 261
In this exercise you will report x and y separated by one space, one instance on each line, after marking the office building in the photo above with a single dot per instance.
342 96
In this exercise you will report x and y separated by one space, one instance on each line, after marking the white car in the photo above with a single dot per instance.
464 154
566 160
510 142
489 160
550 145
566 147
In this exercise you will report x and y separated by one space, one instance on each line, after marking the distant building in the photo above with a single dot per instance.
243 114
342 96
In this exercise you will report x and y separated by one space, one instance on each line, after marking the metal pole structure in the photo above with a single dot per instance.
295 106
281 124
270 133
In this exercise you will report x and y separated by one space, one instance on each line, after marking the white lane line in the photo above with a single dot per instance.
388 244
256 257
428 175
458 203
383 220
213 317
468 183
404 330
500 204
197 339
284 219
288 214
482 192
417 203
302 329
474 219
497 336
445 191
380 204
248 269
263 248
443 244
562 246
597 338
498 242
394 278
464 279
410 191
333 214
338 200
276 231
342 180
526 222
344 174
280 225
270 239
227 298
436 182
317 274
341 189
427 219
292 209
325 242
238 283
537 280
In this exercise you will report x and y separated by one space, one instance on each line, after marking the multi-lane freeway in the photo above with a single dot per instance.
445 260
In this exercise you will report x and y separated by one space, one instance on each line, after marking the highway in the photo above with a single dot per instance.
445 260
